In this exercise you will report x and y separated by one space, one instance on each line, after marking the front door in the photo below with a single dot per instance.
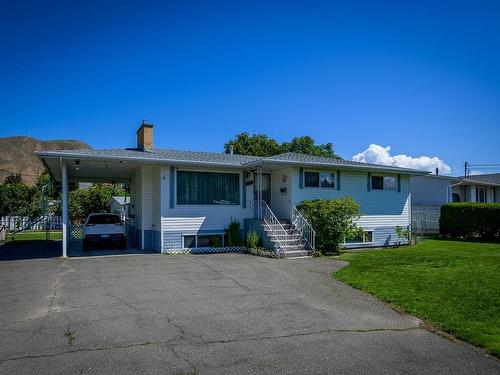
266 190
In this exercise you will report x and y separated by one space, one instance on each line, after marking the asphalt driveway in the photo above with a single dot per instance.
228 313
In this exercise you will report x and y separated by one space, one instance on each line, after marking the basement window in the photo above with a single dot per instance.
203 240
365 237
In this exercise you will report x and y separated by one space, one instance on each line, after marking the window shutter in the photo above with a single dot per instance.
338 179
172 186
369 182
244 193
399 183
301 178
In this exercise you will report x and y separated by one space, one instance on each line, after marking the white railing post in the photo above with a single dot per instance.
65 209
305 229
275 227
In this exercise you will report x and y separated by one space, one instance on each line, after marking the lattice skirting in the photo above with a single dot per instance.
205 250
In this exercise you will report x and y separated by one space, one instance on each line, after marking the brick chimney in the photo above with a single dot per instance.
145 136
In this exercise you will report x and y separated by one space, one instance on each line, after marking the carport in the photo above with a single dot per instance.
85 166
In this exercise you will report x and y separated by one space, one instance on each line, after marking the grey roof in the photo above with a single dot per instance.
160 155
296 158
217 158
493 178
303 158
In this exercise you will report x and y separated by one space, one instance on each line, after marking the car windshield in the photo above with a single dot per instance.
104 219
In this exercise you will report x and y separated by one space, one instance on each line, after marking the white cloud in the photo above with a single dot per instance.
381 155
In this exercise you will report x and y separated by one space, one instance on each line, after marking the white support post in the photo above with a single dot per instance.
65 211
260 193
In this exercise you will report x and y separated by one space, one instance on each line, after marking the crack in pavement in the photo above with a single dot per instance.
191 364
176 342
182 331
220 275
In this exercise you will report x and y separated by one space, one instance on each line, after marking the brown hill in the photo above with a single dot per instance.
17 155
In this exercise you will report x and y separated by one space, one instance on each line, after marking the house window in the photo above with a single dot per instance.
455 197
203 240
208 188
211 240
365 237
383 183
319 179
189 242
481 194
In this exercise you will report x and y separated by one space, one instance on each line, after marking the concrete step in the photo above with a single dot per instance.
296 253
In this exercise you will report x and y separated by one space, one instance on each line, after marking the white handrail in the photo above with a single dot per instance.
303 226
272 221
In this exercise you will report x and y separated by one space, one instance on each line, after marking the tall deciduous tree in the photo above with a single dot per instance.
255 144
306 145
263 145
93 199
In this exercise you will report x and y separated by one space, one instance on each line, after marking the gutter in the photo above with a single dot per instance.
251 164
342 166
476 182
137 159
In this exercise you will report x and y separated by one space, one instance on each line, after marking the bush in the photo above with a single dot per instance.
261 252
316 253
333 220
233 233
470 220
252 239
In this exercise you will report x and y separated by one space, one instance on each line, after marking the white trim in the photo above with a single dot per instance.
65 209
143 207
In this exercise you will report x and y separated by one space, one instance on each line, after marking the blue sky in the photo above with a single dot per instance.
421 77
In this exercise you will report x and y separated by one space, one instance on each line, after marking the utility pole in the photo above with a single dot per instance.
466 166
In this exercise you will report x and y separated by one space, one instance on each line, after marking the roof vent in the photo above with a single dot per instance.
145 136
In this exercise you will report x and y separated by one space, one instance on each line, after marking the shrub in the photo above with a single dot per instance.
261 252
233 233
333 220
470 220
252 239
316 253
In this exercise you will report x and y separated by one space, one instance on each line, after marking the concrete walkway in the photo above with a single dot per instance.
214 314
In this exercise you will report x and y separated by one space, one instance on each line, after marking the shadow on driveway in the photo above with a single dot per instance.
30 249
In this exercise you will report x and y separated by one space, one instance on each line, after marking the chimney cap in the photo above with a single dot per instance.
144 124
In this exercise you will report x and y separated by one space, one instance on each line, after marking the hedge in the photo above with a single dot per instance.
470 220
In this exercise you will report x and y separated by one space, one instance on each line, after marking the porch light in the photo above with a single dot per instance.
77 165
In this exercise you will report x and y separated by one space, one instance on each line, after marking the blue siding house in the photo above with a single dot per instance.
182 201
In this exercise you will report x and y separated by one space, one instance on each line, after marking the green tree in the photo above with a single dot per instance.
255 144
333 220
306 145
262 145
16 200
93 199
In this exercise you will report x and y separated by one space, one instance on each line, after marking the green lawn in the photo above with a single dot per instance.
453 285
33 235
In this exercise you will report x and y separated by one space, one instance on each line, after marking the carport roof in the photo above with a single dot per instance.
118 164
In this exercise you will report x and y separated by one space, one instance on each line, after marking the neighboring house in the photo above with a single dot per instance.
120 206
430 192
183 201
433 190
483 188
